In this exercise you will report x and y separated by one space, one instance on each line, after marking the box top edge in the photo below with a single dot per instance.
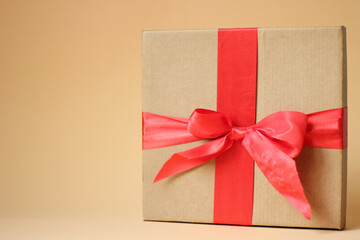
268 28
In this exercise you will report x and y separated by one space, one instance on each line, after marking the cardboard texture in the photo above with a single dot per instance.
300 69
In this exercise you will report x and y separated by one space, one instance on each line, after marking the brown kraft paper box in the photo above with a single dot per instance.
300 69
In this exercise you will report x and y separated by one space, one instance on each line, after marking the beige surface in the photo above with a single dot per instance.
70 91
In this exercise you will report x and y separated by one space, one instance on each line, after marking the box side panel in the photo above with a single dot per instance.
344 159
301 69
179 75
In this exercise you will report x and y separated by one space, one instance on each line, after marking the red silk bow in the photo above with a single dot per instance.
272 143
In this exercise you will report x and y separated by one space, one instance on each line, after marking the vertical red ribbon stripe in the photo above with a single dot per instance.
236 98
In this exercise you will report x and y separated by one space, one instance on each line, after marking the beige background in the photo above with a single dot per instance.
70 103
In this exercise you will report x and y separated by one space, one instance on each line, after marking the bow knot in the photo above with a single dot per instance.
238 133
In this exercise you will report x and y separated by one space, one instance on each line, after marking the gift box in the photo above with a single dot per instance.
245 126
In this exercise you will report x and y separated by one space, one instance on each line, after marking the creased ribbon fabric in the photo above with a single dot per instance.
272 143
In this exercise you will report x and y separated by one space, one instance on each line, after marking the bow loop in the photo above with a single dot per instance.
205 123
286 130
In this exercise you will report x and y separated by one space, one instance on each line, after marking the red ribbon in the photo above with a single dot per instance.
272 143
236 80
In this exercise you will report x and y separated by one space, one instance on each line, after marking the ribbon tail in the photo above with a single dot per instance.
279 169
183 161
